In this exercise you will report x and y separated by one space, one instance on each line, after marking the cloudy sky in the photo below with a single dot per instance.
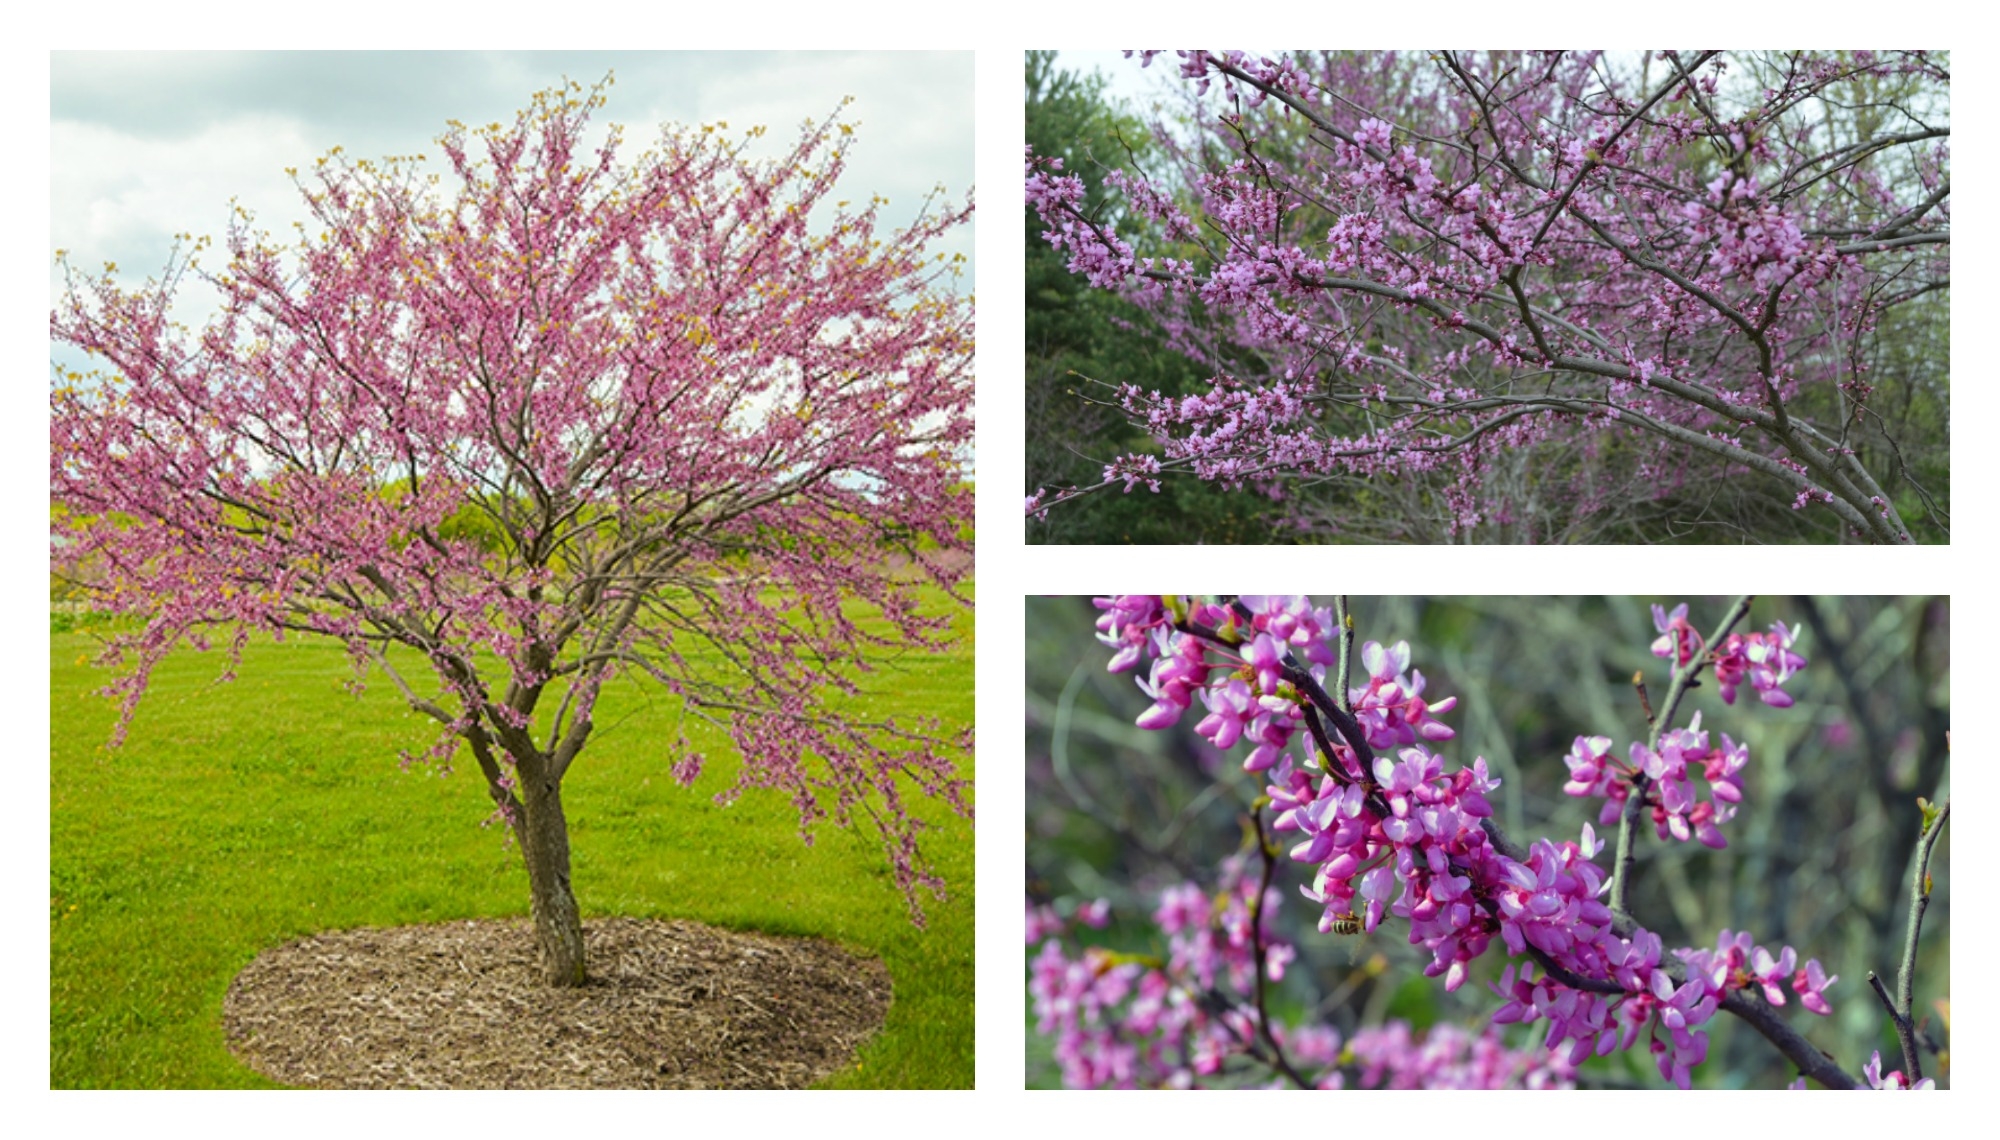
147 145
1124 78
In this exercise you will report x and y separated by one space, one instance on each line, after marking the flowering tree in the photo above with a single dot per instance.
1392 839
1419 268
569 421
1072 329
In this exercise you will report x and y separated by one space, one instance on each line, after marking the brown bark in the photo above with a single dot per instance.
544 835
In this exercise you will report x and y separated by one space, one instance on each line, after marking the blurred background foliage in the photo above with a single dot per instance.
1820 854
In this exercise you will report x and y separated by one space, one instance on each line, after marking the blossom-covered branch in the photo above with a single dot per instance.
1406 266
1391 835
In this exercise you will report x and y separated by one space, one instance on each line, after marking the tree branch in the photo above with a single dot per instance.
1683 679
1901 1011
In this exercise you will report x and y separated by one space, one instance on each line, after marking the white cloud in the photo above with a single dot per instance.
118 194
147 145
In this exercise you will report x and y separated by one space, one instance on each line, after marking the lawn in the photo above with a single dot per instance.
241 815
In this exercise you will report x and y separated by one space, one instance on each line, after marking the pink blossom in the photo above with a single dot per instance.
1895 1081
1402 839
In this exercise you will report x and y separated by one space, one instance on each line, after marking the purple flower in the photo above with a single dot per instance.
1765 659
1811 984
1229 707
1770 971
1678 640
1265 657
1589 766
1043 923
1895 1081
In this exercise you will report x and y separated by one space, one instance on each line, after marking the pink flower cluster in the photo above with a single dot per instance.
1393 1056
1430 846
1675 1010
1676 809
1754 239
1765 659
1142 625
1125 1021
1245 693
1130 1021
1401 837
1104 259
1077 1001
1135 469
1208 936
1678 639
1737 963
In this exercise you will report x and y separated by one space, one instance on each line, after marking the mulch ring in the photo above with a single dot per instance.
668 1005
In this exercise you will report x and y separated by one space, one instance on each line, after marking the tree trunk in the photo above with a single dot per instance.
544 835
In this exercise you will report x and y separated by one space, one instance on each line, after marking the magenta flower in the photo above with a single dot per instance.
1772 663
1127 625
1770 971
1767 660
1043 923
1589 762
1385 665
1811 983
1180 908
1895 1081
1266 658
1229 707
1390 707
1172 685
1678 640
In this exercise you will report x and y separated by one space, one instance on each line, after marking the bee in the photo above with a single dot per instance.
1344 924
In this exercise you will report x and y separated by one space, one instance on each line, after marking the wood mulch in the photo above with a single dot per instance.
461 1006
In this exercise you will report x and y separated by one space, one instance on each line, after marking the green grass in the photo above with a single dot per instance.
242 815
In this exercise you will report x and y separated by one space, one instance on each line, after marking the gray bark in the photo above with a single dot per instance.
544 835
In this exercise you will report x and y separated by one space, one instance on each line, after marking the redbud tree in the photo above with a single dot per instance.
545 419
1541 284
1624 866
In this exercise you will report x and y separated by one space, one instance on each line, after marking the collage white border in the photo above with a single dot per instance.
1007 571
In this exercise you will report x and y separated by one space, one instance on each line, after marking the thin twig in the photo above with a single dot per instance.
1645 701
1346 621
1268 855
1628 820
1316 728
1920 901
1900 1012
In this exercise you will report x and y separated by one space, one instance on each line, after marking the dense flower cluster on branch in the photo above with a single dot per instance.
1392 835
